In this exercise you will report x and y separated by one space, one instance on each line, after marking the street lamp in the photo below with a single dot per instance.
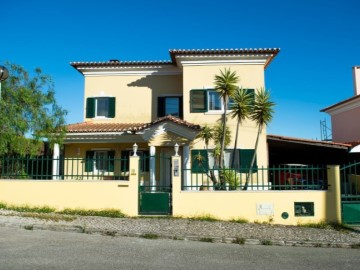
4 74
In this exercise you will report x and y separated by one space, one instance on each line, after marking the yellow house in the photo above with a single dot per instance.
152 106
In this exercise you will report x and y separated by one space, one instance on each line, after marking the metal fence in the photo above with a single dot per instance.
42 168
350 182
274 178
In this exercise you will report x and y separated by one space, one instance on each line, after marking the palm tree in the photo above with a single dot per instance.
241 109
225 85
262 114
206 134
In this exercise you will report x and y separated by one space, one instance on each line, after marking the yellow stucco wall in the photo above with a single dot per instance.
136 96
121 195
244 204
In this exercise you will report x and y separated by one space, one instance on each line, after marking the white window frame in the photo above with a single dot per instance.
96 152
96 107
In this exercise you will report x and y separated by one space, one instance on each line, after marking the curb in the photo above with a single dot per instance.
225 240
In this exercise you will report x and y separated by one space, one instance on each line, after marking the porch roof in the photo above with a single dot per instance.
95 127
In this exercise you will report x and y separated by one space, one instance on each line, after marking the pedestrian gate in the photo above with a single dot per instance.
155 185
350 193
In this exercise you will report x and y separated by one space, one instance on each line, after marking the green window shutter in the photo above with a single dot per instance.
111 161
181 114
90 107
161 107
251 92
198 101
199 161
246 156
89 161
111 112
125 161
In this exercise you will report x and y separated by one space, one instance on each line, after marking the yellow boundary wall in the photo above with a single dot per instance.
261 206
61 194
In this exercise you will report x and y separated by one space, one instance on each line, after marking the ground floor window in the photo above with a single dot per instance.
203 160
99 161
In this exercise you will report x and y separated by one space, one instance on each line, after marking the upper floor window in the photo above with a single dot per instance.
208 100
101 107
214 101
170 106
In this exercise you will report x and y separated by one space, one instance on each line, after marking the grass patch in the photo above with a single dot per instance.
239 220
150 236
113 213
206 217
27 208
206 239
238 240
266 242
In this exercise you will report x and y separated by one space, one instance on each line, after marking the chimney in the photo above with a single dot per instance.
356 73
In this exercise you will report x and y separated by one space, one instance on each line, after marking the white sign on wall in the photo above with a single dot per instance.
265 209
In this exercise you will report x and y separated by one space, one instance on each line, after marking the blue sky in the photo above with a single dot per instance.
319 42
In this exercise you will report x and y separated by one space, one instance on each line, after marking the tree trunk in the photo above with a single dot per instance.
253 158
222 149
235 144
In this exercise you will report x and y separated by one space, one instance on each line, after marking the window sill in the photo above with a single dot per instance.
216 112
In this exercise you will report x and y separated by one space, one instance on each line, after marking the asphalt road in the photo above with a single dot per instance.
27 249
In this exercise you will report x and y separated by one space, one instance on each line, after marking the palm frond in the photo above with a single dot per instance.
263 111
242 106
225 83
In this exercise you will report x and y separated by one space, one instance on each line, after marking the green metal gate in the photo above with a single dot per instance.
155 185
350 193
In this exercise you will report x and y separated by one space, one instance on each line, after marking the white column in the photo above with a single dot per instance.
56 162
186 166
152 168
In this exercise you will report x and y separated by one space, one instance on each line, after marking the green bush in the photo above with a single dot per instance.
231 178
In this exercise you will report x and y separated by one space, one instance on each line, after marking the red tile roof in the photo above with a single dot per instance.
91 127
307 141
105 64
174 52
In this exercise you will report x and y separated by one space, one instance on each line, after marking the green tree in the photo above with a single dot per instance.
262 114
241 110
206 134
29 112
225 85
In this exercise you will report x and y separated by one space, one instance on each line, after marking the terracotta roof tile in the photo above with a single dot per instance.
88 127
91 127
173 53
114 64
301 140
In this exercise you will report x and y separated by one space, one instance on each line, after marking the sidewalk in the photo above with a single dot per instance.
186 229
